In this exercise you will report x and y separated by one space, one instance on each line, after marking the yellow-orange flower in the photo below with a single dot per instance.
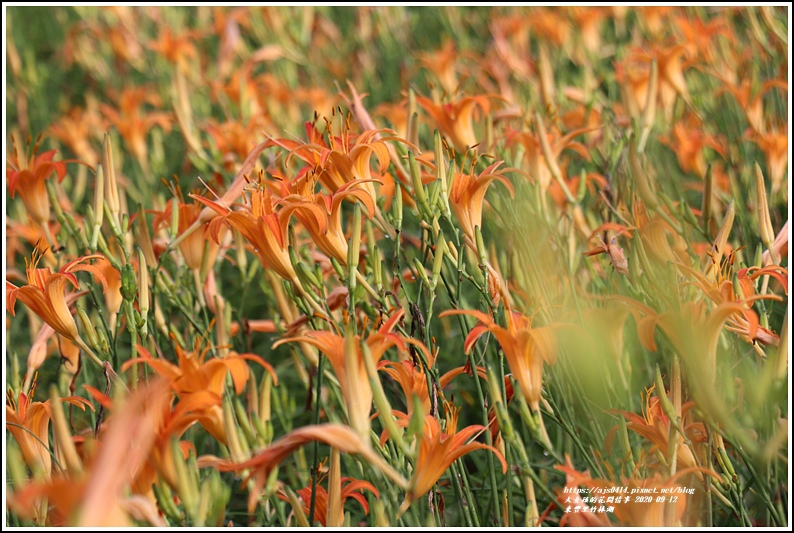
44 294
353 379
524 347
192 247
688 141
263 228
133 125
467 194
456 119
438 449
194 376
774 144
322 216
351 488
27 176
654 426
29 423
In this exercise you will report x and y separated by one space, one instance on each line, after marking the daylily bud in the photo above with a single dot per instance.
482 251
88 328
165 501
103 345
242 419
128 288
174 229
416 424
705 208
205 267
546 75
186 489
420 270
377 268
582 190
419 188
333 516
354 248
441 172
111 185
764 220
63 435
52 193
99 211
649 113
722 235
358 414
641 182
143 291
230 428
452 250
438 262
338 268
397 207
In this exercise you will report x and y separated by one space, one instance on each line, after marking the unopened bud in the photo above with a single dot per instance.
88 328
419 188
764 219
128 288
144 301
99 211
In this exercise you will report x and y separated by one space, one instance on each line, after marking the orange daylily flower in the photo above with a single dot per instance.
75 128
438 449
588 21
233 139
195 376
343 159
44 294
688 141
322 216
467 194
441 64
97 496
551 25
654 426
262 463
261 226
751 104
413 380
355 385
524 347
29 423
27 176
699 37
192 247
635 74
455 120
176 49
351 488
536 162
132 124
774 144
654 17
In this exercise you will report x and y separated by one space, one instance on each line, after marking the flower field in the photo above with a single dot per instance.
397 266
